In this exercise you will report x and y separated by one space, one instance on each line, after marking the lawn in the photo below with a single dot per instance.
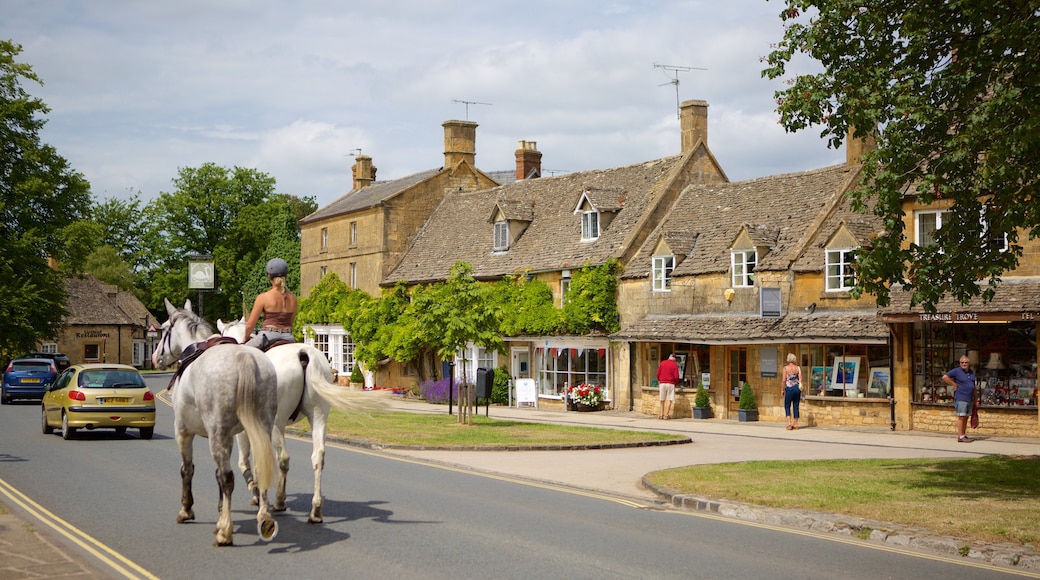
992 499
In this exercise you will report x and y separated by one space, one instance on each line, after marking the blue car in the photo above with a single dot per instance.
27 378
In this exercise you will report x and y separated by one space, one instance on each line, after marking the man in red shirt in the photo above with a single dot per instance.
667 378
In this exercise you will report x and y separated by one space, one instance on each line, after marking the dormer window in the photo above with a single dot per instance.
501 236
663 266
589 226
840 275
743 267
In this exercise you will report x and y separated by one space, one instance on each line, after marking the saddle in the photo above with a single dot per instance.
194 351
266 345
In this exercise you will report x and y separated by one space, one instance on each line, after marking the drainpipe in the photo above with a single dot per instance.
891 385
631 374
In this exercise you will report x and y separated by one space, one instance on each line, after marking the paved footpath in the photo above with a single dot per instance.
29 552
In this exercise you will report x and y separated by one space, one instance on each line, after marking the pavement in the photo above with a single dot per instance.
27 551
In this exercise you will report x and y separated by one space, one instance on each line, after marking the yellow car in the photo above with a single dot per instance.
99 396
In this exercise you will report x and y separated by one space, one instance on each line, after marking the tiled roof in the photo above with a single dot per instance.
370 196
458 229
512 209
91 302
1013 294
745 329
777 210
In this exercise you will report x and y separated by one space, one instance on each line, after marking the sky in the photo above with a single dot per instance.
296 88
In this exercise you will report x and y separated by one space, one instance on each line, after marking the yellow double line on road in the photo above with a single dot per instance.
108 556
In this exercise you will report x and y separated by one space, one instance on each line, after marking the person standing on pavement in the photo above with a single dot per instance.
963 379
792 389
667 378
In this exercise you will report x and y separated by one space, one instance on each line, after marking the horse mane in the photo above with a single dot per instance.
196 325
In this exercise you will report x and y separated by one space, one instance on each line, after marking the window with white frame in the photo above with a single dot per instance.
589 225
353 274
49 347
501 236
558 368
926 223
743 266
565 286
353 234
840 274
995 240
475 357
663 266
324 270
334 342
324 238
347 354
321 342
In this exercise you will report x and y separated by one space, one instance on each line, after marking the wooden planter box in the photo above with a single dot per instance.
747 414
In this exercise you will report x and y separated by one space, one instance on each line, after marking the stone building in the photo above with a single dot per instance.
104 324
545 228
361 236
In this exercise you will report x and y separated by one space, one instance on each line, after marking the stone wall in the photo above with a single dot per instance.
1007 422
650 403
836 411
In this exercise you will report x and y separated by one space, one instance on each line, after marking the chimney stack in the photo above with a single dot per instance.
364 173
856 147
528 160
460 143
693 122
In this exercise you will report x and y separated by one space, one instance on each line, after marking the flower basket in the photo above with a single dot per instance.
585 397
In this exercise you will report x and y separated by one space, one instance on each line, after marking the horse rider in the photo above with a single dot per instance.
278 307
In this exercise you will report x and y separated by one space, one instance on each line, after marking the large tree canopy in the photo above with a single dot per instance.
949 91
40 196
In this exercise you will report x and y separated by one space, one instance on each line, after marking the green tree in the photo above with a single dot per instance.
527 307
199 218
105 264
120 221
947 90
40 195
282 242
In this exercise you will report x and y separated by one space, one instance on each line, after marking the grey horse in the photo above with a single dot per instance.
227 389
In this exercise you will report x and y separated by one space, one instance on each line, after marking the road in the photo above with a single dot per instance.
391 516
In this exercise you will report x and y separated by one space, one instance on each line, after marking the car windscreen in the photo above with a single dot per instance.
31 367
110 379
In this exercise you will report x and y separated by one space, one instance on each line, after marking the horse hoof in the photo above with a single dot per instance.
279 508
315 520
185 516
267 529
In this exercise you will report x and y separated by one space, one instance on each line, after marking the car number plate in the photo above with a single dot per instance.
30 380
114 400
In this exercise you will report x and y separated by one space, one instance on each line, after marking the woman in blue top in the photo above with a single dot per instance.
963 378
792 389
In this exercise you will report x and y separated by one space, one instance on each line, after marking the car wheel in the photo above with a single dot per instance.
47 429
146 432
66 431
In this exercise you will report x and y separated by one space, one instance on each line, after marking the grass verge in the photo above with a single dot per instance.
434 430
992 499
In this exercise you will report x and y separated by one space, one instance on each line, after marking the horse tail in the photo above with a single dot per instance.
257 424
318 378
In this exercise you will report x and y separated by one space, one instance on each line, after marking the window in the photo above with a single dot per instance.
743 268
589 226
324 271
353 274
926 224
353 234
565 285
663 266
995 240
348 355
840 274
324 238
321 342
558 368
737 373
92 352
137 359
501 236
475 357
49 347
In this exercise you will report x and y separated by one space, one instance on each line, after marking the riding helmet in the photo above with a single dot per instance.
277 267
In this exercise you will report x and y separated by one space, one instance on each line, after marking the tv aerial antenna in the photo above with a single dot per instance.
675 80
468 103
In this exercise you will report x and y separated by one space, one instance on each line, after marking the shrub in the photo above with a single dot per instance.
436 392
747 398
701 399
356 376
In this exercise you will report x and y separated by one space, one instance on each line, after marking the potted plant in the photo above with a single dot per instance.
701 403
585 397
747 410
357 380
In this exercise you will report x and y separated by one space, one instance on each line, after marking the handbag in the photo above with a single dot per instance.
974 416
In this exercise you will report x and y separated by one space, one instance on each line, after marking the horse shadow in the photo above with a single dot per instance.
296 535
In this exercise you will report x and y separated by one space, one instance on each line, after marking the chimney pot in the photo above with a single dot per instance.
693 122
363 172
